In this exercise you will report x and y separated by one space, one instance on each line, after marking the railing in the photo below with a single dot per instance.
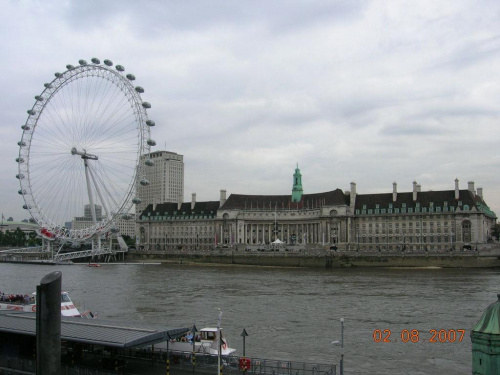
86 253
231 364
147 362
24 250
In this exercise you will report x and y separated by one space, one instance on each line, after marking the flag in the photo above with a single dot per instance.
3 217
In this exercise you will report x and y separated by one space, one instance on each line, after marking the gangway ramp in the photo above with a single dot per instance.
24 250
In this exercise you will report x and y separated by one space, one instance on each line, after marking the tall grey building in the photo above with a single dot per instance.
166 179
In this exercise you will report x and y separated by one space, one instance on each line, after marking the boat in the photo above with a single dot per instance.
94 265
205 342
27 303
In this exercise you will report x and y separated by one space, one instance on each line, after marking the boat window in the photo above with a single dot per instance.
208 335
65 298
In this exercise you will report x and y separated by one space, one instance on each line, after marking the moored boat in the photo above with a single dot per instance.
27 303
205 341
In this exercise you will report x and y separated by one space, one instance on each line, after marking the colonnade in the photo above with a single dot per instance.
258 233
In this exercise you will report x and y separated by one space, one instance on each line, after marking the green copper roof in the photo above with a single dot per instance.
490 321
297 185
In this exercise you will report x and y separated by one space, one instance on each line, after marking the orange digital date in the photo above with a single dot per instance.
414 335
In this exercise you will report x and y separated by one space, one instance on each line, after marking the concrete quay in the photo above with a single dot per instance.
320 258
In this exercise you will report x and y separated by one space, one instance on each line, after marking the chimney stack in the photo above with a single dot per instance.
222 197
415 190
394 192
193 200
456 189
471 187
353 194
179 203
480 192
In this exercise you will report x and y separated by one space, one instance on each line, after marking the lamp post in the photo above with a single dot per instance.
193 331
168 354
219 338
244 334
341 343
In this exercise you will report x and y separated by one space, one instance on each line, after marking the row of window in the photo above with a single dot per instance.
409 210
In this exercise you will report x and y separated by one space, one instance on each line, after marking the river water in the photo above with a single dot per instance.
290 313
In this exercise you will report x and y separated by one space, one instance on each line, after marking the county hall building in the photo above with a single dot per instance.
413 220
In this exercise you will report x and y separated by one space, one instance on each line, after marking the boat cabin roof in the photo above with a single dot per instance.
209 329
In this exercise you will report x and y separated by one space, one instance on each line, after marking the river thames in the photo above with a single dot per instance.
292 313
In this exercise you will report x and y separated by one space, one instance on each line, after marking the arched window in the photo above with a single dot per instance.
466 231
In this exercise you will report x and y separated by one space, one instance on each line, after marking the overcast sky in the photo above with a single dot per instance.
365 91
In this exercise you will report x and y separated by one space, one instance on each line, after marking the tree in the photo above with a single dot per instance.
495 231
10 219
128 240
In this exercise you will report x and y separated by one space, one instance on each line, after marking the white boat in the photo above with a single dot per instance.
205 342
17 302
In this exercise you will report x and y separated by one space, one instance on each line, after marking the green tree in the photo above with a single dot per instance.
495 231
34 240
128 240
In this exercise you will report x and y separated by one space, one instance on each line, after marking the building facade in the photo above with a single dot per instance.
125 226
178 226
414 221
165 174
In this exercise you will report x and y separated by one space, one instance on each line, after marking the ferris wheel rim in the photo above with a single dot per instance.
138 109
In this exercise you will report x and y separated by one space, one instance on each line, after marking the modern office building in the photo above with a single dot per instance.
165 173
414 220
85 221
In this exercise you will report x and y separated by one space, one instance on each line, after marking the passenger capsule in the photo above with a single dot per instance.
82 62
149 162
120 68
20 160
126 216
19 176
58 75
21 143
150 123
108 62
31 112
146 105
136 200
39 98
114 230
25 127
47 85
95 60
26 207
131 77
151 142
69 67
144 182
139 89
21 192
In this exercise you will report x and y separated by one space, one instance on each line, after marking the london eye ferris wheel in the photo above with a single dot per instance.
83 146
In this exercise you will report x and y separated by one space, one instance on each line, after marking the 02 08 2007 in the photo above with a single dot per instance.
415 335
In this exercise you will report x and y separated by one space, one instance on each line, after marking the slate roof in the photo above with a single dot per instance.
92 331
438 198
279 202
170 209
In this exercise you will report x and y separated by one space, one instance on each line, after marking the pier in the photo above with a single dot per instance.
110 347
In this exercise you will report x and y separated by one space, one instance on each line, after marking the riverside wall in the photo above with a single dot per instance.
321 259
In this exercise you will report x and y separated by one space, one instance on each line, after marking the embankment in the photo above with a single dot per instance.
322 260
